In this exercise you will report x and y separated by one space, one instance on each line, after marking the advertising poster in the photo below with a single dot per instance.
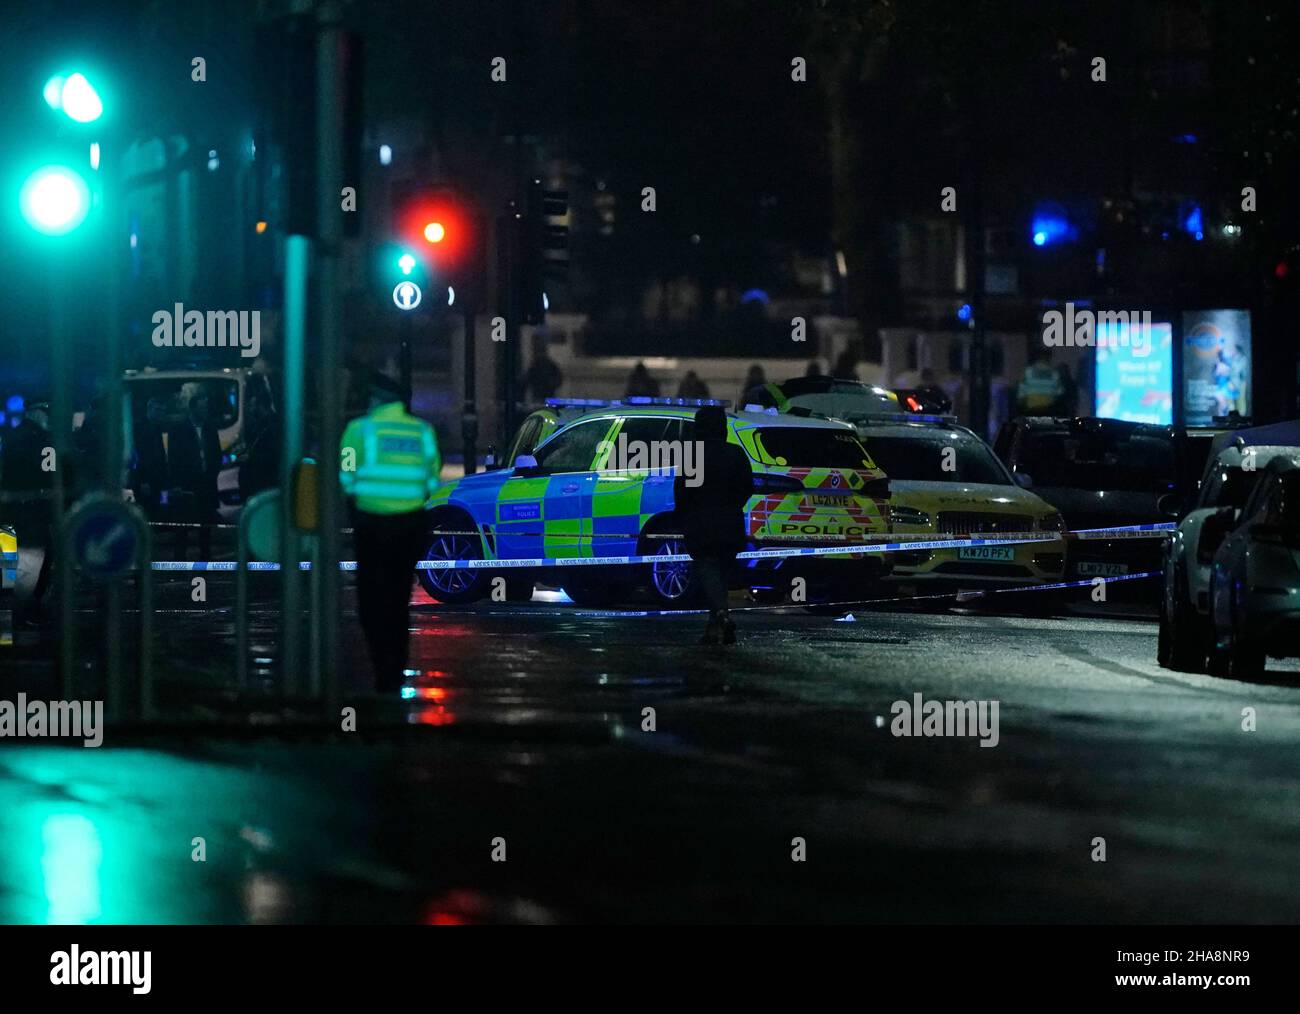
1216 364
1135 371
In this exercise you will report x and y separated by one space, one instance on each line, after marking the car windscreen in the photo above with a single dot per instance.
809 447
936 458
850 402
1118 462
171 398
1230 487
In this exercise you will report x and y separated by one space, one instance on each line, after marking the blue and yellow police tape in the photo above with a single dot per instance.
901 544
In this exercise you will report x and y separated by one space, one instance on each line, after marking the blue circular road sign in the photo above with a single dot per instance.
105 536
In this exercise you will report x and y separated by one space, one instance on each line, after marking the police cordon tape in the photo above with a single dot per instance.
902 544
960 596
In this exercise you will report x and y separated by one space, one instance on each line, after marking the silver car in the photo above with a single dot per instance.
1225 487
1255 578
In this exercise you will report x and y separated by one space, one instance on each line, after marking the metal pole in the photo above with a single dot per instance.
330 70
146 626
404 366
241 602
295 313
469 412
110 464
61 441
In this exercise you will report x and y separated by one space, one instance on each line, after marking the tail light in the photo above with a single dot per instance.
773 482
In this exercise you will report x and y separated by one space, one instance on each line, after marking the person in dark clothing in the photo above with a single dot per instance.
712 516
149 461
194 454
692 386
754 378
640 384
260 469
543 377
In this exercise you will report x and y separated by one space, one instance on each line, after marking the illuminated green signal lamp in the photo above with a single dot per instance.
74 96
54 200
407 263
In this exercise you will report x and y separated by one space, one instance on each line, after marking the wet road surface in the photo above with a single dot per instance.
525 734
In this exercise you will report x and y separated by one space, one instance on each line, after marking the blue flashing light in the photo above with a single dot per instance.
14 403
755 296
1050 225
964 312
1194 222
636 400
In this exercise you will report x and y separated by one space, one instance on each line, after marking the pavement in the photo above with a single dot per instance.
520 780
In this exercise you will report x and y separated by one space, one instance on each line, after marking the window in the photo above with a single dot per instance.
1229 487
647 429
923 459
573 449
806 447
1135 463
527 439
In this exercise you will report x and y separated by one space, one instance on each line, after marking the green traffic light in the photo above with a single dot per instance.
74 96
407 263
54 200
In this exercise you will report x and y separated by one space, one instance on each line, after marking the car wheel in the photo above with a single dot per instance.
455 587
1245 661
1181 642
672 585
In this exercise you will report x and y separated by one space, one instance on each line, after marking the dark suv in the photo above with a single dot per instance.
1104 473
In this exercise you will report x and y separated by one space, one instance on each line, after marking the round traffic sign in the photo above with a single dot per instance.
105 535
407 295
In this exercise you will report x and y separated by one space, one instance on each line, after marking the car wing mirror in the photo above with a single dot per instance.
525 462
1170 505
1024 480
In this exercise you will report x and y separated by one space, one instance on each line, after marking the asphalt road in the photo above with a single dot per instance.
528 727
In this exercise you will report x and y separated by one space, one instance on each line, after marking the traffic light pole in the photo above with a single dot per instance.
508 264
404 363
469 412
330 109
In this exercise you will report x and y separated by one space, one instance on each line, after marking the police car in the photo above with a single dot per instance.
945 481
580 495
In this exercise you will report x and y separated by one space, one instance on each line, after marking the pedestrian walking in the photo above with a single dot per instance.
389 466
712 515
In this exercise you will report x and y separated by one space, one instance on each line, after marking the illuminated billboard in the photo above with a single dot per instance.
1216 365
1135 368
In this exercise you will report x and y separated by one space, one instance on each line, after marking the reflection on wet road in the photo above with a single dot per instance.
622 773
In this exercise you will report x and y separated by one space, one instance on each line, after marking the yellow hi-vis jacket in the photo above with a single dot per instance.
394 461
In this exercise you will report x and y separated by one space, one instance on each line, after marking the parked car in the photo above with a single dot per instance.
945 481
1103 473
814 483
1229 480
1255 577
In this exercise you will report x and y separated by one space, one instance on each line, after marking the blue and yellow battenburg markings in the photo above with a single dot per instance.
601 512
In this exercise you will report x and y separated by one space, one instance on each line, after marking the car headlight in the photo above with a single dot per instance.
908 516
1051 523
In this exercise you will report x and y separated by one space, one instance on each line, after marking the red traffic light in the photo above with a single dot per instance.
440 224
